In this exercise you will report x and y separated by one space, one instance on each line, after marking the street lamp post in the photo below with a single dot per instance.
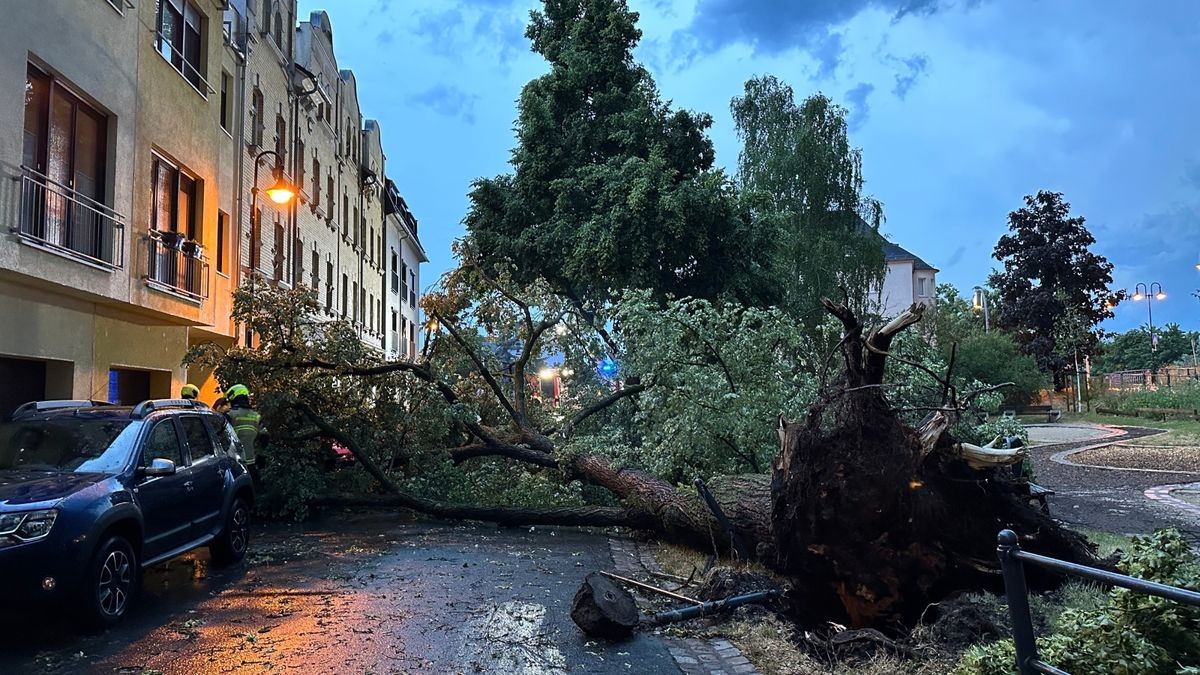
980 303
1150 294
281 192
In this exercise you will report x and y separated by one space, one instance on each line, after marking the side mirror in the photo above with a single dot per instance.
159 467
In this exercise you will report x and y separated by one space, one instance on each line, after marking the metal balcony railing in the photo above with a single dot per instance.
176 265
57 217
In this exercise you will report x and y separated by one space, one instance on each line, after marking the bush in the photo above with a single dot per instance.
1184 396
1130 633
994 358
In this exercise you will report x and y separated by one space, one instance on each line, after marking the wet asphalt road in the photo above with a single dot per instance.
363 594
1108 500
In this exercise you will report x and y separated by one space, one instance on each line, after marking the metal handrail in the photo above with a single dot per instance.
1011 556
171 267
75 196
57 217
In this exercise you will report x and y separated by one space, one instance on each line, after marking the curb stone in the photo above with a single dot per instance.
1162 494
694 656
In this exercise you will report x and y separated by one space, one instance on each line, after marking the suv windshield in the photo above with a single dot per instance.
71 444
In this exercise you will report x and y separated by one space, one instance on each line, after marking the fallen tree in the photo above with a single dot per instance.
873 519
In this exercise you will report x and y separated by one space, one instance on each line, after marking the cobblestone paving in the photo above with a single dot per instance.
693 655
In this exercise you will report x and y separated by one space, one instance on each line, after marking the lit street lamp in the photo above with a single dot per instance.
980 303
281 192
1149 293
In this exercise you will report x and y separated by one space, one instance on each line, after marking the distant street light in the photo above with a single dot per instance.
1141 291
980 303
546 374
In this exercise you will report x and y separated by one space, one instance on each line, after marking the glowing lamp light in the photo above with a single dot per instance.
281 192
1160 296
1138 296
546 374
608 368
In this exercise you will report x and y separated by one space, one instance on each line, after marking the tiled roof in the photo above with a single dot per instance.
895 252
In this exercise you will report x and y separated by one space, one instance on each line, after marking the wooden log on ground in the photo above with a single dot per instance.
603 609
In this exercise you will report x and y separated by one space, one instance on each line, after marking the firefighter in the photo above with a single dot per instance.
189 392
247 424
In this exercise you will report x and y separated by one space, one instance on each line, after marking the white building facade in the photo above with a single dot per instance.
909 280
404 256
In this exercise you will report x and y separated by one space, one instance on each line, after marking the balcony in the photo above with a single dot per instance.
176 265
55 217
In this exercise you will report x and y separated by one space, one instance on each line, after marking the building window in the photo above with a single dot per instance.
280 137
316 268
922 287
332 203
222 226
277 33
174 200
225 112
362 302
280 253
357 239
372 240
256 117
328 285
412 287
395 273
354 303
371 313
316 188
345 216
403 282
65 146
178 39
412 340
345 291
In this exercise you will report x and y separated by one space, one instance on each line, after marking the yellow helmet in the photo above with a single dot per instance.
236 391
189 391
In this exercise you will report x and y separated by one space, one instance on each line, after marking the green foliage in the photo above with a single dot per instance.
995 358
1052 286
388 414
1185 396
611 188
1131 633
1131 350
722 374
802 184
953 318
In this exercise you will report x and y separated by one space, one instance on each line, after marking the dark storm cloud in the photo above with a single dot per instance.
915 66
448 101
860 109
773 26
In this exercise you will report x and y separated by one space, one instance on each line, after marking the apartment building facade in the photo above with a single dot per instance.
404 255
137 164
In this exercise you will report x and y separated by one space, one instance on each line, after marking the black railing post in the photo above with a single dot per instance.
1018 600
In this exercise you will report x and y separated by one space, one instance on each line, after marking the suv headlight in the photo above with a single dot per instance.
29 525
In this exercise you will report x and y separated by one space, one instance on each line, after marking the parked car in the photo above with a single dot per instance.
91 494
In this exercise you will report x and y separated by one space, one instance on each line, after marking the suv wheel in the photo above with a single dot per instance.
230 546
112 579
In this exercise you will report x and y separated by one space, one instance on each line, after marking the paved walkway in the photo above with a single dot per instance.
693 655
1110 500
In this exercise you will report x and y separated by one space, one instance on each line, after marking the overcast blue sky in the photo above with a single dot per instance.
960 106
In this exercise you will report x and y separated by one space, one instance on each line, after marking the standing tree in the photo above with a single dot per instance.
802 184
611 189
1049 271
1131 350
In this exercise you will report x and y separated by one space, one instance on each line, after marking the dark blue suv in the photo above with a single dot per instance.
91 494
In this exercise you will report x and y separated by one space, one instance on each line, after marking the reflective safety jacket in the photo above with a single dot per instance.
247 424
